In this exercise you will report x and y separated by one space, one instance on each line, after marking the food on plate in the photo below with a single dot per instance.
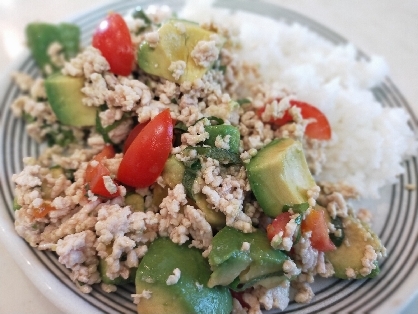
45 40
279 175
211 166
174 52
66 100
178 284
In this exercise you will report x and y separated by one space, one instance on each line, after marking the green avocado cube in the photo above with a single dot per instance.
279 175
349 255
177 39
66 100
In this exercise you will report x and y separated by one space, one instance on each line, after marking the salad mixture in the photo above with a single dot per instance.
182 162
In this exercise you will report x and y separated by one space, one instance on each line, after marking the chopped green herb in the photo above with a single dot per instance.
16 206
62 137
338 224
223 155
139 13
243 101
104 131
297 208
190 175
28 118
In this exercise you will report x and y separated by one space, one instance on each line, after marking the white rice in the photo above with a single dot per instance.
368 142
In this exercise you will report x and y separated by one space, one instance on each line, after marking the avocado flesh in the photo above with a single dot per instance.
279 175
135 201
358 236
173 172
228 261
190 294
174 45
66 100
216 219
272 282
40 36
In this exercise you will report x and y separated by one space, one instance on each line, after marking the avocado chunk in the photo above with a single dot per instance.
40 36
279 176
224 130
135 201
177 39
66 100
190 294
233 265
173 172
216 219
357 237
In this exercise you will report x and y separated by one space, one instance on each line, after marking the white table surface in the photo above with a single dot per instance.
383 27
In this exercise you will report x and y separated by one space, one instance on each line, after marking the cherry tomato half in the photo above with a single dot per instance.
107 152
132 135
114 41
97 184
278 225
94 174
316 223
320 129
144 160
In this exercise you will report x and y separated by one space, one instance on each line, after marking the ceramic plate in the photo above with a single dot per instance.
396 222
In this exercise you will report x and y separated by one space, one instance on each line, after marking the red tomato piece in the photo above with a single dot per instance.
114 41
320 129
144 160
132 135
278 225
94 174
316 223
97 184
107 152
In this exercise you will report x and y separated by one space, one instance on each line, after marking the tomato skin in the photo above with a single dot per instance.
94 174
114 41
144 160
132 135
278 225
316 223
319 129
107 152
97 185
